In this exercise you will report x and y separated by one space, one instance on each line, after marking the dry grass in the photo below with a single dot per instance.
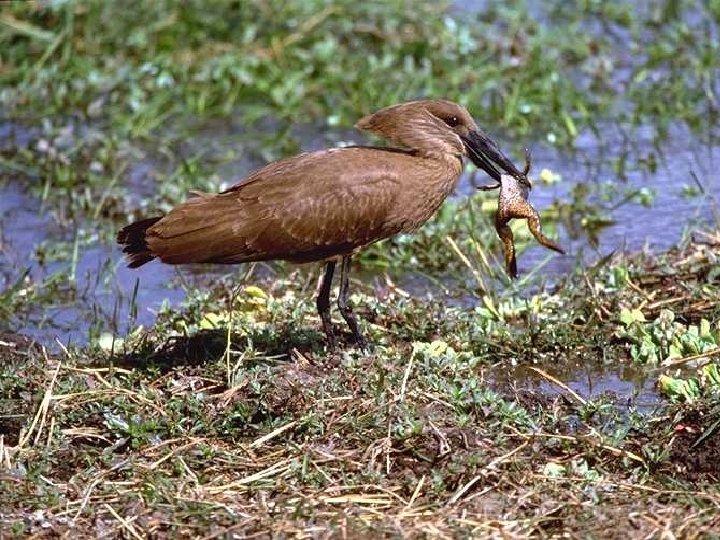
198 436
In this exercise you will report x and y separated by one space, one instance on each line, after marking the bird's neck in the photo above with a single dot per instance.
441 172
448 160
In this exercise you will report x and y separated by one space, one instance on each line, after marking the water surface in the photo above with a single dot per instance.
105 289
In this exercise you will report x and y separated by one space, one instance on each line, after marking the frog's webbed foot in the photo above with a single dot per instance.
535 228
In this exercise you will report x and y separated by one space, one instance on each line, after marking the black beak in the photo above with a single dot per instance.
486 155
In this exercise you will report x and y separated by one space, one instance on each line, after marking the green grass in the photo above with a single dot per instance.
228 416
233 417
328 63
297 61
102 88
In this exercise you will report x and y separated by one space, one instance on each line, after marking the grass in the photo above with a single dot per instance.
227 416
74 64
181 431
296 61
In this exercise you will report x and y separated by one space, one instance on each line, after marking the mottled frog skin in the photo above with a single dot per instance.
513 204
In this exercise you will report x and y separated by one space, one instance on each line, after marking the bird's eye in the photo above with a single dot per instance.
452 121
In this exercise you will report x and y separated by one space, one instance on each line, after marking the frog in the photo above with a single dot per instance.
514 191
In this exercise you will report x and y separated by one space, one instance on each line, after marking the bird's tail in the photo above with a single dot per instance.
134 244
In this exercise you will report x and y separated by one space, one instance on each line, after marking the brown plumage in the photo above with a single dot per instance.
326 205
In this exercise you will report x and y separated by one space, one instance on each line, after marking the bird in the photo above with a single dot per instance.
327 205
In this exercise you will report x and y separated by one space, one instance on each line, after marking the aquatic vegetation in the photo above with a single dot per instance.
484 410
705 385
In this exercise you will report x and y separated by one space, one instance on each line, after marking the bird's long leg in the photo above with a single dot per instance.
323 303
344 306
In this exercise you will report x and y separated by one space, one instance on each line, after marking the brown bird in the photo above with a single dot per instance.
327 205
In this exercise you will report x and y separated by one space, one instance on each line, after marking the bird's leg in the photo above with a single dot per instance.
344 305
323 303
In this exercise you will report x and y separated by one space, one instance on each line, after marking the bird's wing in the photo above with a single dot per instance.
305 208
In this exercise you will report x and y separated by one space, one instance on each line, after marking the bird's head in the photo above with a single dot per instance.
436 125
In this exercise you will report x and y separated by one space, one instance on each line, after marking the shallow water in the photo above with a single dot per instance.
102 299
657 227
630 387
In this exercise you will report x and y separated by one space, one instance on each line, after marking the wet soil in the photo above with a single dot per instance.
695 445
108 287
692 436
17 401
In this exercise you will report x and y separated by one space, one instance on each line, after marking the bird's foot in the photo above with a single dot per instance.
330 339
363 344
331 343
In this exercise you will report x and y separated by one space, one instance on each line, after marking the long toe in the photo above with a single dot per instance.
363 344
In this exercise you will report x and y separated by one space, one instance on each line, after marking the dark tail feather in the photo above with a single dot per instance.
134 245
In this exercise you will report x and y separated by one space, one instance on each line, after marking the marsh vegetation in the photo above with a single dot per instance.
201 401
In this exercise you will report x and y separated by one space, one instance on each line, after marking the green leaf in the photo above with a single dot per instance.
629 316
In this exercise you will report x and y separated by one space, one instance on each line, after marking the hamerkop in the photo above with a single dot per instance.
327 205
